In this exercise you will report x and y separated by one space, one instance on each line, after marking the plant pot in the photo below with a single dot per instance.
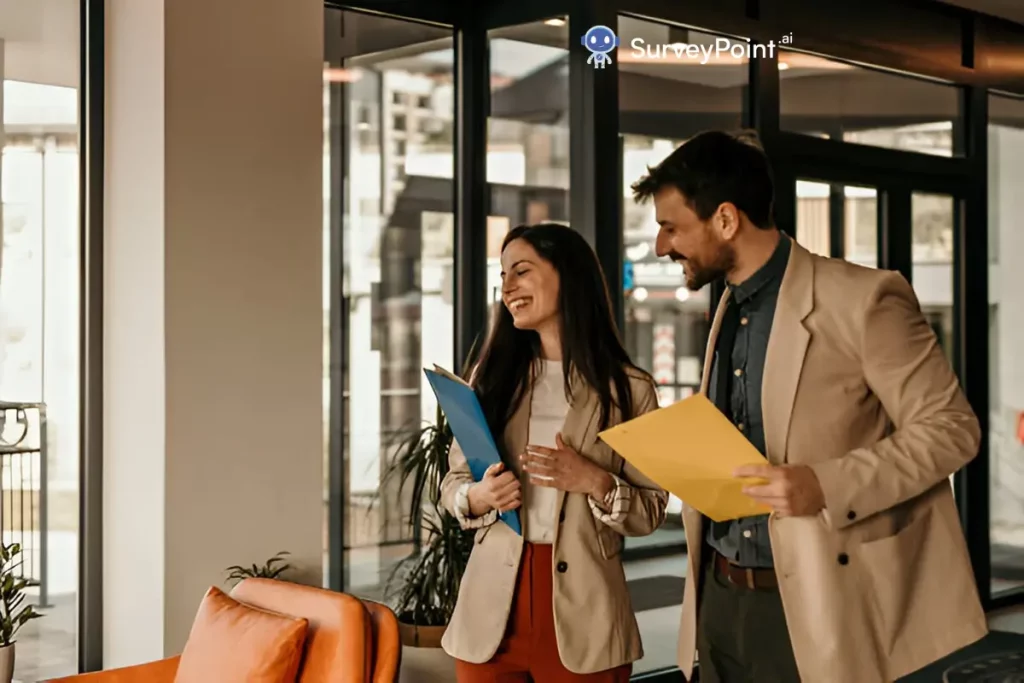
7 663
421 636
422 656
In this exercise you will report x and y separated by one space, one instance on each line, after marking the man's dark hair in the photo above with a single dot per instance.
716 167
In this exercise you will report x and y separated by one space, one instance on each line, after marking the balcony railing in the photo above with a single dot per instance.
23 488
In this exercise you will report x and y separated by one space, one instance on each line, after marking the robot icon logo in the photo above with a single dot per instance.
600 40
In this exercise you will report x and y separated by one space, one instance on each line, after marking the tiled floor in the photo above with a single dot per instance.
46 647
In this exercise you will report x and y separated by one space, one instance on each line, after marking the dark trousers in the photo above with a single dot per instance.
741 632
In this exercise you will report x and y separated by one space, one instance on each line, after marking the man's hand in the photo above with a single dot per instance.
791 491
565 469
497 490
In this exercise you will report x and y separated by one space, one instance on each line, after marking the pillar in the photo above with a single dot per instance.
213 437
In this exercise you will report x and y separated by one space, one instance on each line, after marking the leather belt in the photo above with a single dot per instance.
747 577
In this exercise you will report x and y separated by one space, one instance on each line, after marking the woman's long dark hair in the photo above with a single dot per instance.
590 337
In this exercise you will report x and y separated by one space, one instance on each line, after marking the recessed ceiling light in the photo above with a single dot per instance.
555 22
783 66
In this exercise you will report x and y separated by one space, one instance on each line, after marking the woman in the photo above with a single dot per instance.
551 605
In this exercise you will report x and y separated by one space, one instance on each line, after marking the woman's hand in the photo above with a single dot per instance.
498 490
565 469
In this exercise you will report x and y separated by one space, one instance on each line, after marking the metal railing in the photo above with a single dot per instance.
23 488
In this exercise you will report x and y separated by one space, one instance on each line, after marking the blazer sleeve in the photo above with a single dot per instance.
936 431
455 491
636 505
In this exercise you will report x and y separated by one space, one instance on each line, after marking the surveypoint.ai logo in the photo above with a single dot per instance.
600 40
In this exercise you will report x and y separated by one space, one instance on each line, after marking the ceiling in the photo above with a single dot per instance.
1007 9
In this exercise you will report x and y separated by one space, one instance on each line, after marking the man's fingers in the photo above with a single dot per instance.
757 471
772 490
540 450
532 463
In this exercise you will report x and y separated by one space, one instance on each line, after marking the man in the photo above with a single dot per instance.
860 574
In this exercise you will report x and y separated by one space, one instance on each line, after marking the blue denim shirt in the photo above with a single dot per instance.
750 312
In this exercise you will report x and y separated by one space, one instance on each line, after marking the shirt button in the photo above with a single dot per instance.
843 558
747 534
738 372
741 426
562 567
744 320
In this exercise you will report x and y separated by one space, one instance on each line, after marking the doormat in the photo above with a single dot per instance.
996 658
655 592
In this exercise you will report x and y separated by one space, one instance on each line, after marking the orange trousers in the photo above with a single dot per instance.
529 651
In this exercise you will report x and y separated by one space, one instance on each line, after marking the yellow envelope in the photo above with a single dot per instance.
691 450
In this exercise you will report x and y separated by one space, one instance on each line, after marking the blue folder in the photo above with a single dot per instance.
469 427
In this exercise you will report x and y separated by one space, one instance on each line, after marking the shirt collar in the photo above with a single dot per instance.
772 270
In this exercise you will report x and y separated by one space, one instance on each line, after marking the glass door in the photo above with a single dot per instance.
838 220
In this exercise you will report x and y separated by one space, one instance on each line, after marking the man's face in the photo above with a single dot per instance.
698 246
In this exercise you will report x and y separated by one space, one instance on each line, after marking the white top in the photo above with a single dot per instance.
548 409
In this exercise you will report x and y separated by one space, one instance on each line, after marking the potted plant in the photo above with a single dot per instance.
13 612
272 569
423 587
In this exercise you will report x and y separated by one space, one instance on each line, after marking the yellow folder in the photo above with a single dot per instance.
691 450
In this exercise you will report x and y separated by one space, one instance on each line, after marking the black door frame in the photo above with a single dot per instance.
920 37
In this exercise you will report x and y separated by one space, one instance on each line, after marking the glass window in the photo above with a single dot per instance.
824 210
1006 338
394 221
663 100
39 325
833 99
932 253
527 133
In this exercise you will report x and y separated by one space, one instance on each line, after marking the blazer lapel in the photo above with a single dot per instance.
787 347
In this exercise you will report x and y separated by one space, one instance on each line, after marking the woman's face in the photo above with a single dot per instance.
529 286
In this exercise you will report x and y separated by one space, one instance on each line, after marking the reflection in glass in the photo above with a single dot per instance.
828 98
1006 339
851 211
662 103
672 96
39 326
527 133
932 273
395 88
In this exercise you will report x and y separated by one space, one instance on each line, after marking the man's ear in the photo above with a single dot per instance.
727 219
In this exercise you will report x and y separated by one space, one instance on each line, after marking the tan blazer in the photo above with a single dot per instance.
879 584
594 620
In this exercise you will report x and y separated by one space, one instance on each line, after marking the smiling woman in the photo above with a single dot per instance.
551 375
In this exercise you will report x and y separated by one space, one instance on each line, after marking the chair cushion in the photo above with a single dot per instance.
232 642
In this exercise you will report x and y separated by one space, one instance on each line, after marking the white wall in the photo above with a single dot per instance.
213 435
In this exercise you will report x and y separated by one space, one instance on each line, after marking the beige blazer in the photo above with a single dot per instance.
879 584
594 621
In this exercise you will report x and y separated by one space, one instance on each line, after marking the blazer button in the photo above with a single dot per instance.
851 515
844 558
562 567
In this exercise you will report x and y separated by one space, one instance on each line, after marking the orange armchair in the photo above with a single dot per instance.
348 639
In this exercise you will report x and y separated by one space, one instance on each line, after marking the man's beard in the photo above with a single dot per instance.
699 275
